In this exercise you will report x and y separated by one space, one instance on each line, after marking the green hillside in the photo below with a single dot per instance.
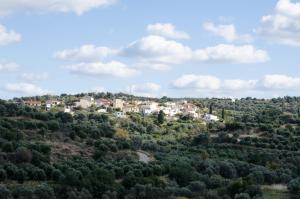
52 154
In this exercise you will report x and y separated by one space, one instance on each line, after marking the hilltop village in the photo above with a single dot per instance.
122 106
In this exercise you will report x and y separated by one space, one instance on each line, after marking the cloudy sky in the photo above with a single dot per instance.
208 48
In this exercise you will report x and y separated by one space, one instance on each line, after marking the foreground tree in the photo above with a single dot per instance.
161 117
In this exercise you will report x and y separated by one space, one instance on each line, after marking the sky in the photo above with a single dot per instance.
174 48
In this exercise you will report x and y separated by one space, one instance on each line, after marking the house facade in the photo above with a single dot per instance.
85 102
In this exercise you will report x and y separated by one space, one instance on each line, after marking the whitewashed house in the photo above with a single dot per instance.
149 108
52 103
169 111
209 118
68 110
102 110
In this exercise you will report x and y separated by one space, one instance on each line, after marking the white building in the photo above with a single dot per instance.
85 102
169 111
130 108
68 110
52 103
102 110
149 108
118 104
209 118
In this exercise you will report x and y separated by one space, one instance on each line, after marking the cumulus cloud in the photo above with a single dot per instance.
77 6
214 86
227 31
26 88
7 67
238 84
197 82
224 53
283 26
277 81
287 7
153 66
85 53
160 50
32 77
148 89
166 30
113 69
8 36
156 53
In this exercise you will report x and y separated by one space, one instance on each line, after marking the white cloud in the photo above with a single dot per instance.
223 53
160 50
197 82
26 88
153 66
238 84
148 89
212 86
40 6
34 77
8 36
276 81
85 53
228 32
114 68
166 30
283 26
287 7
4 67
156 53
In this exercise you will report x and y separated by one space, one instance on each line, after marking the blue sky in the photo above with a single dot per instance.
150 48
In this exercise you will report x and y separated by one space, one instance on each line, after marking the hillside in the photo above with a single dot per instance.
251 152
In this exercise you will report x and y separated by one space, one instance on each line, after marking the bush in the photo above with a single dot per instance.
294 185
242 196
44 191
3 175
23 155
53 125
4 192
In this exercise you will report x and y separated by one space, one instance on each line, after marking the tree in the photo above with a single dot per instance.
23 155
99 181
182 173
211 108
227 170
44 191
83 194
223 113
23 192
242 196
161 117
294 185
4 192
3 175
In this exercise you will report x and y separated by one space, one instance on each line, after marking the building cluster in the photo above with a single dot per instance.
120 107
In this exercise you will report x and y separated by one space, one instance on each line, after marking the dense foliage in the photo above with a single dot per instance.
93 155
